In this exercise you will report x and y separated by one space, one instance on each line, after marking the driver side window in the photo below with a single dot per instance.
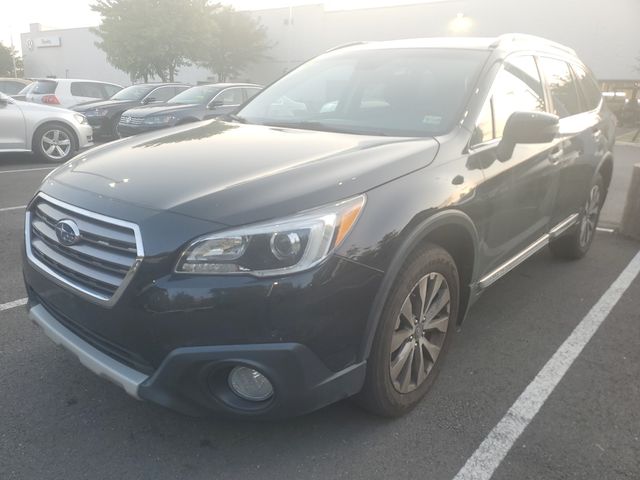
516 88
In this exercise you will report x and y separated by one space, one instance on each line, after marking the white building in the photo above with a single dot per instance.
606 35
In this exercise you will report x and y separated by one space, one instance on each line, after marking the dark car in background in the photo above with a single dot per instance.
197 103
327 239
104 115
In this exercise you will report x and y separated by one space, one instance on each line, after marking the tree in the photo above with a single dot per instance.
10 63
235 40
152 37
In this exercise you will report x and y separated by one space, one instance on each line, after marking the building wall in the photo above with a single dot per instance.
606 35
78 57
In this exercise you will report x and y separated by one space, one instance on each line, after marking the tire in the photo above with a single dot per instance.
54 143
576 242
386 391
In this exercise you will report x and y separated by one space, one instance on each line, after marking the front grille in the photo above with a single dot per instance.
98 262
129 120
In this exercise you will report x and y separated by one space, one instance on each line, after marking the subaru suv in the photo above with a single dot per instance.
327 239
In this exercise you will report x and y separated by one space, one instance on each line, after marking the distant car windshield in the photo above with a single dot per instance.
400 92
134 92
201 95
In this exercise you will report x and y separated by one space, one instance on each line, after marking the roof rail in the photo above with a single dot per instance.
345 45
532 39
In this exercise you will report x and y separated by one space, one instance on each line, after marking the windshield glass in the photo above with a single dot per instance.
403 92
134 92
201 95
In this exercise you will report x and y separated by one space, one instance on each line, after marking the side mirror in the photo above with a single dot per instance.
526 127
213 104
148 100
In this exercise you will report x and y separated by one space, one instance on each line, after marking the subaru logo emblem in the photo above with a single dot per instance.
67 232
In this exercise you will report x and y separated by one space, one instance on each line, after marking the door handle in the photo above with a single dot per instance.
556 155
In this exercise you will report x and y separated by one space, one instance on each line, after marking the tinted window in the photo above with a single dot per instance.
230 97
200 95
87 89
406 92
251 92
516 88
589 87
10 88
162 94
44 87
562 86
134 92
111 90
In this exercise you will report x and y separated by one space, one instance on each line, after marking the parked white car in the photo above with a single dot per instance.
54 134
68 92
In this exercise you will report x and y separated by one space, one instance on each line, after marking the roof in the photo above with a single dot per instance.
46 79
229 84
509 41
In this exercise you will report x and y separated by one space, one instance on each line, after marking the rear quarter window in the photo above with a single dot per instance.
563 88
589 87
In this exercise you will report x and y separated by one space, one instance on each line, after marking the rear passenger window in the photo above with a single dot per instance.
564 93
589 87
231 97
86 89
251 92
517 88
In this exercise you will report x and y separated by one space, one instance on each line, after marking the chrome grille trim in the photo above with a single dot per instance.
100 267
129 120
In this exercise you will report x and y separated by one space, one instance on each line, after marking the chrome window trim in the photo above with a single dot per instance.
67 283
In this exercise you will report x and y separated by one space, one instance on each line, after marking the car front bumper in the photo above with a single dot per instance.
174 341
85 136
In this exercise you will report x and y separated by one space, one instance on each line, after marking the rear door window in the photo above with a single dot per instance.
87 89
589 88
251 92
230 97
562 86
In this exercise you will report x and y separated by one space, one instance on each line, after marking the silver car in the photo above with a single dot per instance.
54 134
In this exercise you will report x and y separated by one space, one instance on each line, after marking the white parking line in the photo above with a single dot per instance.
8 209
26 170
486 459
14 304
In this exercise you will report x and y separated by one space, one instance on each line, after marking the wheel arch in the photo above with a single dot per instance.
452 230
49 122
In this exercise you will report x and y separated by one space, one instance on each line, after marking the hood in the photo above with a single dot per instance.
164 108
83 107
233 174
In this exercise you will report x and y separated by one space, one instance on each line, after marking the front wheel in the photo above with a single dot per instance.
415 329
54 143
576 243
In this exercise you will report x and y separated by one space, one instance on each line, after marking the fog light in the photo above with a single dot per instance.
250 384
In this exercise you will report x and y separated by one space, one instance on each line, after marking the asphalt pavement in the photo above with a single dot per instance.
59 421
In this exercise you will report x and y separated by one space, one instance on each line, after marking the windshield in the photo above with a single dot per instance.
134 92
402 92
44 87
200 95
26 89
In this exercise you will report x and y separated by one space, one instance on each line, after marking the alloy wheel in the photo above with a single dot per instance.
590 216
419 333
56 144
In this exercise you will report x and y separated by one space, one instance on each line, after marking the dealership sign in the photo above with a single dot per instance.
46 42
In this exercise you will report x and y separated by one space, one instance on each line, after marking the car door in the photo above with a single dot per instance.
518 193
581 135
12 125
225 102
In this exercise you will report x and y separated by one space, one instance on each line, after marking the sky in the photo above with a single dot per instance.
17 15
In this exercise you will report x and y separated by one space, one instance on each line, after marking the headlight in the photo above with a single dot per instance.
97 112
80 118
276 247
159 119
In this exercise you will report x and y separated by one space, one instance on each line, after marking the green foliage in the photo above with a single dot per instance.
151 37
8 61
234 40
